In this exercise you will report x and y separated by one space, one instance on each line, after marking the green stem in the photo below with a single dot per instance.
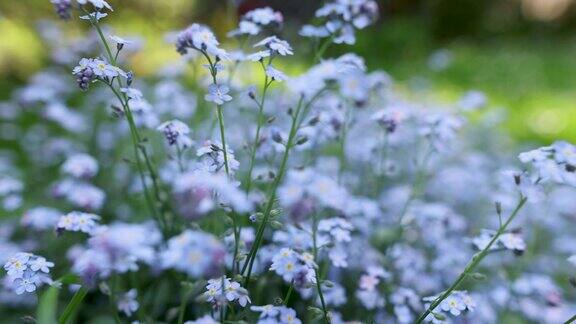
223 138
318 279
342 156
476 259
297 120
571 320
324 47
140 149
179 153
258 127
183 304
72 305
270 204
289 293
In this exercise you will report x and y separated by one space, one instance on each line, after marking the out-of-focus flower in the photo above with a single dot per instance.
78 222
127 302
195 253
276 314
176 133
80 166
275 46
201 38
41 218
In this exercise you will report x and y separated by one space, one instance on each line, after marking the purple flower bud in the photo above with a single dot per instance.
63 8
84 77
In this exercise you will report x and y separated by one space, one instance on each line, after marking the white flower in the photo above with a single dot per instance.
572 259
127 302
94 15
513 241
276 45
119 40
80 166
100 4
78 222
230 290
275 74
24 285
40 264
453 304
218 94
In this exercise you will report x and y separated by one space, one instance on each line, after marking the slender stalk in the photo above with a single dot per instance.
272 197
571 320
419 179
297 120
72 305
183 304
223 137
112 298
324 47
260 121
476 259
289 293
214 72
220 117
140 149
136 141
318 279
179 153
342 155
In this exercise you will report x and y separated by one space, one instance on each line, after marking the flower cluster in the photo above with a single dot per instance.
176 133
78 222
335 191
294 267
270 314
252 22
556 163
41 218
90 69
342 18
26 272
195 253
200 38
127 303
115 248
222 290
75 188
455 304
80 166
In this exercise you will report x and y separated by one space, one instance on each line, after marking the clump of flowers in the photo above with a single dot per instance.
221 291
276 314
252 22
342 17
454 305
555 163
294 267
78 222
195 253
27 272
328 194
90 69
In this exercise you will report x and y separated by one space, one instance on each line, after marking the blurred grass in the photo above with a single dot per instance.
531 77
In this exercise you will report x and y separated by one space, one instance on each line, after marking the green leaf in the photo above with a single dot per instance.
46 312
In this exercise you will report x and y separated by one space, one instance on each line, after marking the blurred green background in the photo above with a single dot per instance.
521 53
